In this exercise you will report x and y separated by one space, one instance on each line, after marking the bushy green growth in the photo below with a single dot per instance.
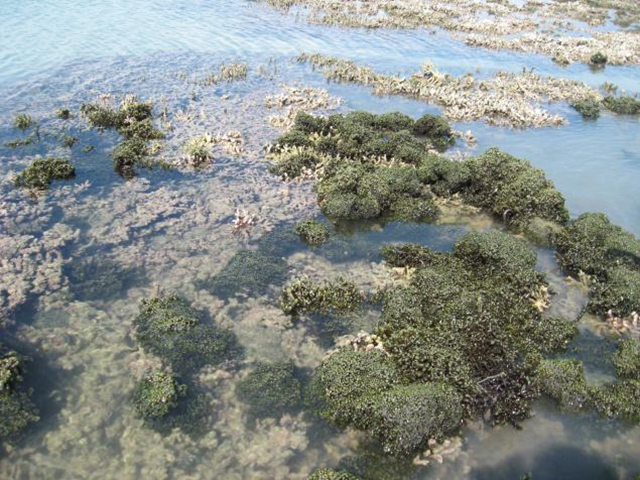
587 107
592 244
43 171
63 114
598 59
198 150
618 292
330 474
412 209
346 380
248 272
563 380
23 121
620 399
405 417
624 104
127 154
408 255
32 138
305 296
437 129
468 319
133 120
513 190
371 462
445 177
170 328
313 232
270 389
156 395
16 409
69 141
626 360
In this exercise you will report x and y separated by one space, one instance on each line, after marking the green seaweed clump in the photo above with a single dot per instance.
598 59
513 190
63 114
170 328
270 389
16 409
313 232
626 360
563 380
469 319
133 120
43 171
624 104
367 162
305 296
360 389
248 272
620 399
330 474
587 107
23 121
156 395
611 256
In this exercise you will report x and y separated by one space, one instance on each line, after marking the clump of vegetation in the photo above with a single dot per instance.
611 256
43 171
68 141
587 107
598 59
198 151
248 272
464 339
330 474
23 121
513 190
368 162
620 399
134 121
313 232
563 380
63 114
270 389
170 328
156 395
370 166
16 409
305 296
625 105
627 359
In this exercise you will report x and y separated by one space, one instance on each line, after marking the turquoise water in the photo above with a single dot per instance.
169 228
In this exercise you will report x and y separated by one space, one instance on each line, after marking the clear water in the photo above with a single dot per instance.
172 228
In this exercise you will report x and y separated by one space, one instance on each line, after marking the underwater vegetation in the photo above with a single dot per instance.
592 245
171 329
63 114
43 171
134 121
313 232
305 296
23 121
463 340
371 166
270 390
625 105
16 409
156 395
330 474
589 108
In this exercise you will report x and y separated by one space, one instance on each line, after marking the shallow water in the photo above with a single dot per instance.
173 228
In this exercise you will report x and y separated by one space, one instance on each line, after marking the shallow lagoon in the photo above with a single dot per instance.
172 228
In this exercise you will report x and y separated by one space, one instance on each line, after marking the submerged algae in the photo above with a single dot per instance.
156 395
270 389
43 171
